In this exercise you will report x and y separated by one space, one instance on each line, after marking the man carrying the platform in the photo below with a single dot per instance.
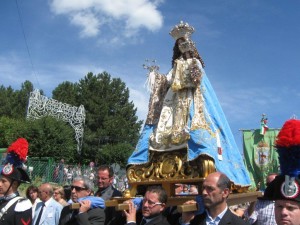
153 205
107 191
215 191
85 214
15 210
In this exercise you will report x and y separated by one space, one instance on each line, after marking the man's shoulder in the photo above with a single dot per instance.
99 211
55 204
22 205
231 217
116 192
18 204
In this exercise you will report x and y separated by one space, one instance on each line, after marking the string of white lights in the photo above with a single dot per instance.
40 106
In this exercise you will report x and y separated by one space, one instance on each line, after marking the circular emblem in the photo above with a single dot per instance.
290 191
7 169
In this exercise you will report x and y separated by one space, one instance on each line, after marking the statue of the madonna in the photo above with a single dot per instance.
184 113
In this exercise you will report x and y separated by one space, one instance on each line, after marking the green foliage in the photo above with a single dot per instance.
117 153
14 103
50 137
111 126
110 116
23 187
46 137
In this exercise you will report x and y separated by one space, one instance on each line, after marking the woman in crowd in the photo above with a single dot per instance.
32 195
59 195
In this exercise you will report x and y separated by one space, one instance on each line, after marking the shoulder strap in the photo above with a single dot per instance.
8 205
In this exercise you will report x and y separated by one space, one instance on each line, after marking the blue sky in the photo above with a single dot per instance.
251 49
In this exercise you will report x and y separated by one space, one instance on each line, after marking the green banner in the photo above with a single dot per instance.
261 158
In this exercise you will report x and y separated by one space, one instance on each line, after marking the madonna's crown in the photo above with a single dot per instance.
182 30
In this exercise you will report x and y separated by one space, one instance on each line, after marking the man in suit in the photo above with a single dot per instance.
85 214
215 191
153 205
105 183
107 191
48 210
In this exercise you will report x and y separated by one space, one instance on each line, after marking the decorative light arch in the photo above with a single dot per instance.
40 106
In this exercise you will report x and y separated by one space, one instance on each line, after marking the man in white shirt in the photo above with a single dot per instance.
215 191
48 210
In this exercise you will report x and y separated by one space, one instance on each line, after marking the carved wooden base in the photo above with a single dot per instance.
171 166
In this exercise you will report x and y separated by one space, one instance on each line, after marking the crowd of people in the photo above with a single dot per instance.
56 205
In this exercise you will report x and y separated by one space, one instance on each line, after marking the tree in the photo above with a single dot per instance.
14 103
117 153
50 137
110 116
66 92
46 137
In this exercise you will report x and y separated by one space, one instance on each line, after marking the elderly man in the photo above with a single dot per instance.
85 215
48 210
153 205
215 191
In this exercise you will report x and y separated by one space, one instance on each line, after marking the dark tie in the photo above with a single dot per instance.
143 222
40 214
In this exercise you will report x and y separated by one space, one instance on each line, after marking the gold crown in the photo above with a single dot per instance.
182 30
187 46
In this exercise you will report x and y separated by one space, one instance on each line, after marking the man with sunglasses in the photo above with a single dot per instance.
215 191
85 214
153 205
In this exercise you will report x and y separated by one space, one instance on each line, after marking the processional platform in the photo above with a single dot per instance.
170 168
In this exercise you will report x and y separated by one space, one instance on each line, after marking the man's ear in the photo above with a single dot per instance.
163 207
226 192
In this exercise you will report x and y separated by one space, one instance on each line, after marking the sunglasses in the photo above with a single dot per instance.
77 188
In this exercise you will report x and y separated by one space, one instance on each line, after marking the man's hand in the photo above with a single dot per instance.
131 212
188 216
85 205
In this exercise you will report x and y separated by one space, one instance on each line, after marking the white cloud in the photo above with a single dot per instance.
88 22
126 16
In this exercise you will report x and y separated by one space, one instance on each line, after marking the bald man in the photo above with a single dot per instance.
48 210
215 191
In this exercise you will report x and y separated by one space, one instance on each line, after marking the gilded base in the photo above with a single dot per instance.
170 166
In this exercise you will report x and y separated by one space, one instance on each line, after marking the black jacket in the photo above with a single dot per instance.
159 220
17 215
228 218
112 217
91 217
